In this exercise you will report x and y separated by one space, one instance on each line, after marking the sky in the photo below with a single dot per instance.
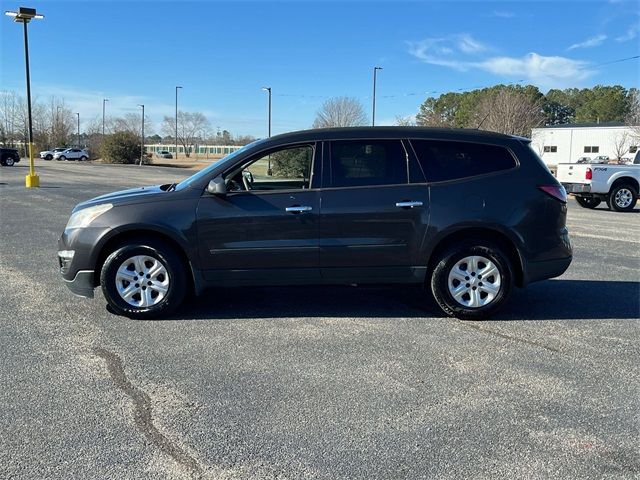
223 53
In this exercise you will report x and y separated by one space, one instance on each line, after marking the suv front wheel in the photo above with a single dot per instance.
143 279
472 280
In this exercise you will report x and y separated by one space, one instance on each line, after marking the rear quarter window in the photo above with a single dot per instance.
450 160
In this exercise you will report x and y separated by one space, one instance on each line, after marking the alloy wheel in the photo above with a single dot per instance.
142 281
474 281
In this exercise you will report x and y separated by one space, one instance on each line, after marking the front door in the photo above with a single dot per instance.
265 230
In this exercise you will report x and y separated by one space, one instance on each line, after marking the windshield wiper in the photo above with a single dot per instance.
172 187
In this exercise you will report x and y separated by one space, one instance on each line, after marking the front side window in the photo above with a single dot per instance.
367 162
283 169
447 160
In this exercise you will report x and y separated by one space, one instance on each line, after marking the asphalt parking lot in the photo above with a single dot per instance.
312 382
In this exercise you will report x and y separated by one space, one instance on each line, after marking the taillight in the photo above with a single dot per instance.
556 191
588 175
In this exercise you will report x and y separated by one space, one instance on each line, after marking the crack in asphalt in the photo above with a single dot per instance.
509 337
142 412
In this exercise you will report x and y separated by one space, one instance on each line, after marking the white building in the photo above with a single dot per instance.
567 143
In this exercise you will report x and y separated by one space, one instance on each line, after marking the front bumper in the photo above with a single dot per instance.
81 284
577 187
77 258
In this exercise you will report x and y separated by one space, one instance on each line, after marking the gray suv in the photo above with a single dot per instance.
467 214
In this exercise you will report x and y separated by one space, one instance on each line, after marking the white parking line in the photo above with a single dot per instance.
601 237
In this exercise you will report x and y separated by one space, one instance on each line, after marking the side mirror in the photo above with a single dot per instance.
217 186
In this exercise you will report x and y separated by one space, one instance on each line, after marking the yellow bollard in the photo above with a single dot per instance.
32 180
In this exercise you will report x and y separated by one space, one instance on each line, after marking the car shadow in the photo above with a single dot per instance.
547 300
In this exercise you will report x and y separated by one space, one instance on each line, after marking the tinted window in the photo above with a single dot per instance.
368 162
442 160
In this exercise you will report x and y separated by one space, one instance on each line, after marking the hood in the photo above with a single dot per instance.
123 197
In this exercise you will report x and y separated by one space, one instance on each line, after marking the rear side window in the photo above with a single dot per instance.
444 160
368 162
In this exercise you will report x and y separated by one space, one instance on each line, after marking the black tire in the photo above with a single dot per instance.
83 158
452 257
48 157
619 198
9 161
158 251
62 157
588 202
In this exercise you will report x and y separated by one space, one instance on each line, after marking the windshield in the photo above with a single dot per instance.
206 171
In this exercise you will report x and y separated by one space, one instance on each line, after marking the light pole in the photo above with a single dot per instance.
24 16
104 100
373 114
268 89
142 148
78 129
177 87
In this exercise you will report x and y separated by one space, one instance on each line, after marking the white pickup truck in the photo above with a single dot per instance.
591 183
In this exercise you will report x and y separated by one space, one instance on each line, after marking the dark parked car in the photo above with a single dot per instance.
469 214
9 156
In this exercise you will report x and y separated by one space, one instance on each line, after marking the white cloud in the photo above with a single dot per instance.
503 14
546 71
467 44
89 104
589 42
439 50
630 34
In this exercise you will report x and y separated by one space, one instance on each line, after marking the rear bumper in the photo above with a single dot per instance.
537 271
577 187
81 284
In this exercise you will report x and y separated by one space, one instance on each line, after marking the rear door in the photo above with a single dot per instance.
373 219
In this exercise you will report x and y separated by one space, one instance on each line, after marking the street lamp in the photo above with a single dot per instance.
78 129
24 16
373 115
104 100
177 87
142 148
268 89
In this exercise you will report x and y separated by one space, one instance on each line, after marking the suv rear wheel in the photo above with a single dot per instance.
143 279
8 161
471 280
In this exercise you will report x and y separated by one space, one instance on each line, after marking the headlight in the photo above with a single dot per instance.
82 218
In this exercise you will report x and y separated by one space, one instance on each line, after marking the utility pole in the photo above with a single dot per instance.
373 114
177 87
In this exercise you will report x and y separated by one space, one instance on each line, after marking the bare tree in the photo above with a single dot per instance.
633 118
190 127
132 123
539 140
406 121
510 112
621 145
340 112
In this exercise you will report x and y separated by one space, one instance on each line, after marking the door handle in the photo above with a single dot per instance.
408 204
298 209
